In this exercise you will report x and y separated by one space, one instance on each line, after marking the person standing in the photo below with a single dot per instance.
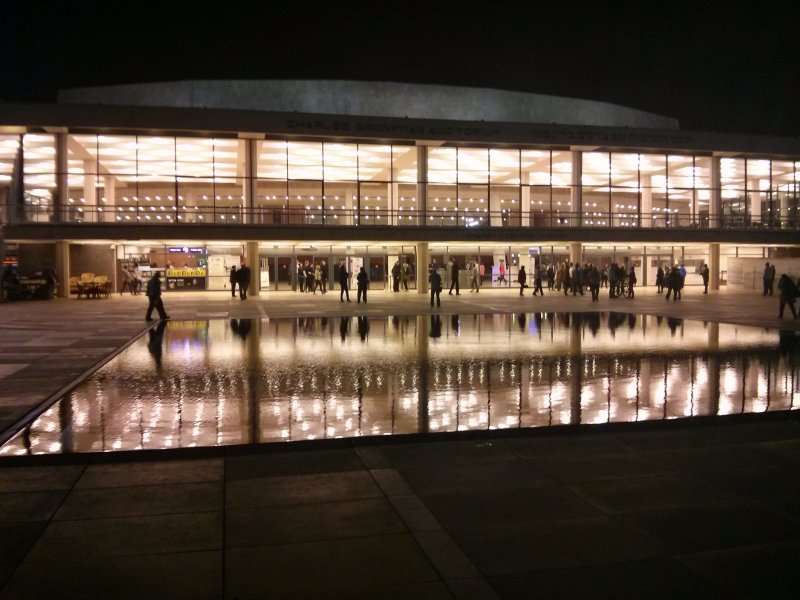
243 277
769 278
396 276
436 286
362 281
674 283
324 270
344 276
301 277
682 280
631 282
474 278
454 277
522 278
154 295
233 279
787 291
704 275
405 275
594 283
660 279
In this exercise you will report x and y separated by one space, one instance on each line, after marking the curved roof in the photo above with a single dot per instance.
370 98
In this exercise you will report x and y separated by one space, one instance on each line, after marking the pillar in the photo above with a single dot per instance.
110 204
61 200
576 189
715 200
423 260
394 205
90 204
646 208
754 193
575 252
422 187
713 266
251 257
525 195
248 154
62 268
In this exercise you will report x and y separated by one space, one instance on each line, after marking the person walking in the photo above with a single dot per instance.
768 278
362 281
787 292
436 286
243 278
324 269
704 275
522 278
537 281
154 296
454 277
317 279
233 279
344 277
137 279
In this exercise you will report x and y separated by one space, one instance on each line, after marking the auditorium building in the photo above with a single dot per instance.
193 177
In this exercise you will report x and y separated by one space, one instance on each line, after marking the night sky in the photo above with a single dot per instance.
720 68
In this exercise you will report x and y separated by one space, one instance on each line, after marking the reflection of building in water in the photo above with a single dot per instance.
301 379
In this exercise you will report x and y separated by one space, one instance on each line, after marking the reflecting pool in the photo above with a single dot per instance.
220 382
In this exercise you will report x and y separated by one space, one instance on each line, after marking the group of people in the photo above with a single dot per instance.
131 279
401 274
311 278
240 277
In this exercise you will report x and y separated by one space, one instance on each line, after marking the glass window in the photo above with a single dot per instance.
305 160
341 162
404 163
504 166
39 166
442 165
374 163
473 165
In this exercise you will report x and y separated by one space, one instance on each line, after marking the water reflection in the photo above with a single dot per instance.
218 382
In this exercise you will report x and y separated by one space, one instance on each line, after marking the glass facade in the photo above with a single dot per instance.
152 179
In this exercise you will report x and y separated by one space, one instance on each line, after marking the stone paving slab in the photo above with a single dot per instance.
627 512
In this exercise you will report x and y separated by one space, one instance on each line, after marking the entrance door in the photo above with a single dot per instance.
283 278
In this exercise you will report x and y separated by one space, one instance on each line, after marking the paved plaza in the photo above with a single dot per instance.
693 508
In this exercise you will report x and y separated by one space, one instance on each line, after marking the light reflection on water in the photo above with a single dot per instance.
218 382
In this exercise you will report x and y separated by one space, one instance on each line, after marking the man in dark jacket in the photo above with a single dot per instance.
362 280
243 275
154 295
343 277
436 286
454 278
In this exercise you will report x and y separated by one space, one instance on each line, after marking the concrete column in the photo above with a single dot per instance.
575 252
576 189
713 266
525 199
89 203
249 148
754 192
422 186
62 268
394 204
110 205
61 199
423 260
715 201
646 210
251 257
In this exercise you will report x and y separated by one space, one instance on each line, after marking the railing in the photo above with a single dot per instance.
442 218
